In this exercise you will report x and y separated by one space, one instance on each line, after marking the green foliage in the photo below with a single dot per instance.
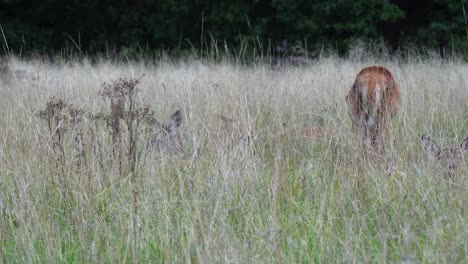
148 25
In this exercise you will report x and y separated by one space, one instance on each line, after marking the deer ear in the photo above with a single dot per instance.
464 146
176 119
430 146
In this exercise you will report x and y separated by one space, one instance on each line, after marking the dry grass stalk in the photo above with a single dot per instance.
115 92
96 146
77 116
55 115
124 108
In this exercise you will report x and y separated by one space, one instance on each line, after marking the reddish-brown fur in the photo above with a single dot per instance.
372 102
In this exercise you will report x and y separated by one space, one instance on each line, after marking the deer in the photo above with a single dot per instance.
372 102
450 157
167 140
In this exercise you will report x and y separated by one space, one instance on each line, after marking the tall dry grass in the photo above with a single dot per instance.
278 198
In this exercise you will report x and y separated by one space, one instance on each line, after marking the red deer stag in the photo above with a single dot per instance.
372 102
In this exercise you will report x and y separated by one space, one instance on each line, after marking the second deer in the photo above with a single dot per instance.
450 158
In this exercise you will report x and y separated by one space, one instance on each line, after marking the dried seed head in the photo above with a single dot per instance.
54 108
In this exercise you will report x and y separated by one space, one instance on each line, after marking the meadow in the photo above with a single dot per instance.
274 197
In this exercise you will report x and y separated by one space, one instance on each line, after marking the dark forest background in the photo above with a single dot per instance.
147 27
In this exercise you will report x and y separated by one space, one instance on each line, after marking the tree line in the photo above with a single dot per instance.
116 27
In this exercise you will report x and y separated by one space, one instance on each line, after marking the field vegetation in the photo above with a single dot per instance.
92 171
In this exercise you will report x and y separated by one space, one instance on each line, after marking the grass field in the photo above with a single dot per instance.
280 199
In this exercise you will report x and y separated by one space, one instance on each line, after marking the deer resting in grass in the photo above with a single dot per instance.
450 158
167 139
